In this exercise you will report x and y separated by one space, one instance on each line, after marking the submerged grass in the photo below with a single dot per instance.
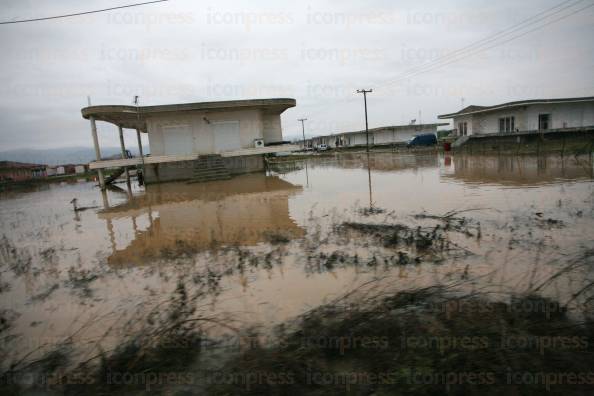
426 341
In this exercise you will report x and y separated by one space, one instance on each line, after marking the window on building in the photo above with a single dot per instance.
544 121
463 128
507 124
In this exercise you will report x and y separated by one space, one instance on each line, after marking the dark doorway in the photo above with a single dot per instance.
544 121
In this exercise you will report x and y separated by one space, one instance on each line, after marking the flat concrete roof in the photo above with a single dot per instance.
483 109
135 117
389 128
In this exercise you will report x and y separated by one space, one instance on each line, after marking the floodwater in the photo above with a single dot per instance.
261 249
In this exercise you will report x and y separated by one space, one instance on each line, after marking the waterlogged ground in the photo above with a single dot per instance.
215 263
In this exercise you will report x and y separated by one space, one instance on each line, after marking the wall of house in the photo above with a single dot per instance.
184 170
377 137
272 131
401 135
472 125
15 174
198 130
563 115
356 139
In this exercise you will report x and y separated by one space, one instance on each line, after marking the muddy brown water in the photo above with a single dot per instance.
87 274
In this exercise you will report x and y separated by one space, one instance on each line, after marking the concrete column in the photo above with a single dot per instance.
97 151
123 147
139 144
141 154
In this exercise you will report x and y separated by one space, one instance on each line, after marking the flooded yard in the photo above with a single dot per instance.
233 266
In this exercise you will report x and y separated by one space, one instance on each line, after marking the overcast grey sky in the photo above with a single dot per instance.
317 52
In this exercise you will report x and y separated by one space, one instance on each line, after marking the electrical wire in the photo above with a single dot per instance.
438 62
519 26
467 51
81 13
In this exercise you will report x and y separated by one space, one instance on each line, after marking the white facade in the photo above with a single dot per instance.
211 132
79 169
377 136
524 116
60 170
50 171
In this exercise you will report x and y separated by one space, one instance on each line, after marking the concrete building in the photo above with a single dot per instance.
20 171
522 116
80 169
387 135
67 169
51 171
181 136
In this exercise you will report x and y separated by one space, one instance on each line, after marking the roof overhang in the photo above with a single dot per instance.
386 128
135 117
516 104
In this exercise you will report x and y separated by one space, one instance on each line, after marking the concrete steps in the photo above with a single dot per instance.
209 168
111 178
460 141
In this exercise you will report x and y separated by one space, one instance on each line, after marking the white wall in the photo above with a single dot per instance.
253 124
382 136
563 115
272 128
392 135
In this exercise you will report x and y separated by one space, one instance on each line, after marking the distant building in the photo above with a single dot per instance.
50 171
377 136
20 171
526 115
80 169
67 169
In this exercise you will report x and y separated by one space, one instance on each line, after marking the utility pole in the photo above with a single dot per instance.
303 130
365 92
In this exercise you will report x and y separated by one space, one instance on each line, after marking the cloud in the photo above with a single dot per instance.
318 53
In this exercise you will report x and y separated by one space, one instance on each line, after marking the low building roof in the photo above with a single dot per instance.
135 117
483 109
383 128
14 164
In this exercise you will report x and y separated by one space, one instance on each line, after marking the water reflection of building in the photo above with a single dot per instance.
520 170
186 218
387 162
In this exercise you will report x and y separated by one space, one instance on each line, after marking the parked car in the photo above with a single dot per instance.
426 139
322 147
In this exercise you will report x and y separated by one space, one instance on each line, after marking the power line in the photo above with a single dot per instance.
438 63
519 26
478 50
81 13
435 64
